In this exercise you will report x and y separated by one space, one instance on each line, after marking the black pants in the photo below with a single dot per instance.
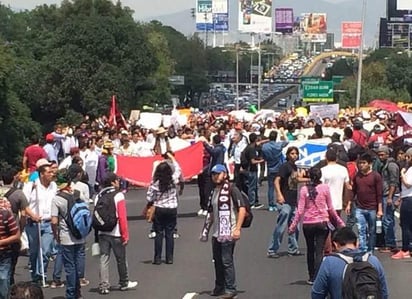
315 236
224 266
406 222
15 253
241 179
204 182
164 225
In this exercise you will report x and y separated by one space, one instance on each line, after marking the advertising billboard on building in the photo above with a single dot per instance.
404 5
212 15
284 20
351 35
255 16
313 27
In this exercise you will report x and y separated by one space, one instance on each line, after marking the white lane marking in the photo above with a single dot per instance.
189 295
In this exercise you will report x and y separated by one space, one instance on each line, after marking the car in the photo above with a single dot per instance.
282 103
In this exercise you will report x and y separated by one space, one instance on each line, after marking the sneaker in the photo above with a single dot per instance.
56 284
228 296
152 235
84 282
205 213
104 291
297 253
401 255
176 236
272 209
200 212
273 255
257 206
130 285
309 282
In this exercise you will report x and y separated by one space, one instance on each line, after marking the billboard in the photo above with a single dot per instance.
255 16
404 5
351 35
284 20
212 15
313 27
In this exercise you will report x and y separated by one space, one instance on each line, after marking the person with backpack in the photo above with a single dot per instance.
68 230
110 223
226 221
350 273
315 208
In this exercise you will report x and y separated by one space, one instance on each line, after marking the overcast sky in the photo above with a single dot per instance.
143 8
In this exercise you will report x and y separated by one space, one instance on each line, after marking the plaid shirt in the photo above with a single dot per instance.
167 199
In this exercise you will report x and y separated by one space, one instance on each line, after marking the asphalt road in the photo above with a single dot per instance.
192 272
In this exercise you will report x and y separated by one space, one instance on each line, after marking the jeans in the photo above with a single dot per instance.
46 243
108 243
366 226
5 269
271 189
71 258
253 188
388 222
58 264
406 222
351 218
164 225
224 266
285 217
315 236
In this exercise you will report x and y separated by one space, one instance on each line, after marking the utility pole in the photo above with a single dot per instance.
360 64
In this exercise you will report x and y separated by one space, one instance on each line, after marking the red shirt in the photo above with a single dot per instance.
34 153
368 188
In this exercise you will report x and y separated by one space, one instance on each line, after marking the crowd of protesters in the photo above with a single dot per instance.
365 174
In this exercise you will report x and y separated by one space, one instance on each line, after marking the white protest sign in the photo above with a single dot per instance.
331 111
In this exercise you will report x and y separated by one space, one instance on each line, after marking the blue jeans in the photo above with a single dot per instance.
252 188
34 245
366 220
388 222
271 189
58 264
5 270
285 217
71 258
224 266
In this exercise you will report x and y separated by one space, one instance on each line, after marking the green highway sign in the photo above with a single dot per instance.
318 91
337 79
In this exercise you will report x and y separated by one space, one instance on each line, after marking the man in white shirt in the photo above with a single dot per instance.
40 195
336 177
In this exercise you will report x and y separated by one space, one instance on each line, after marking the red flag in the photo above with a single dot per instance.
112 116
116 118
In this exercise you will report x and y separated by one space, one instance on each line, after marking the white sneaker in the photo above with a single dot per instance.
200 212
152 235
204 213
130 285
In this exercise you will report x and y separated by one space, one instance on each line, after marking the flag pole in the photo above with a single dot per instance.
40 257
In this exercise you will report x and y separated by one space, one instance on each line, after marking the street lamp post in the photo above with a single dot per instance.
359 83
259 75
237 78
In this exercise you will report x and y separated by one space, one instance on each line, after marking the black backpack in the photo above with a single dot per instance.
244 159
360 278
247 222
104 214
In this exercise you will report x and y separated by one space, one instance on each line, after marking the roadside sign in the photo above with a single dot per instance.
318 91
337 79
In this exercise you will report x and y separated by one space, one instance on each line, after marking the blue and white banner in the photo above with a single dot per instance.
310 151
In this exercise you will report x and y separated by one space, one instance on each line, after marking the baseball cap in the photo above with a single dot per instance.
218 168
42 162
49 137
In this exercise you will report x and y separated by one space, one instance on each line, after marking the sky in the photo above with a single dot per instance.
143 8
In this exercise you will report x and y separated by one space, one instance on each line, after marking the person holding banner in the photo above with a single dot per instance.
40 195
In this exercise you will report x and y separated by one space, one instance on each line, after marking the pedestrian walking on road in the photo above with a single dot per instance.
315 207
162 193
225 220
